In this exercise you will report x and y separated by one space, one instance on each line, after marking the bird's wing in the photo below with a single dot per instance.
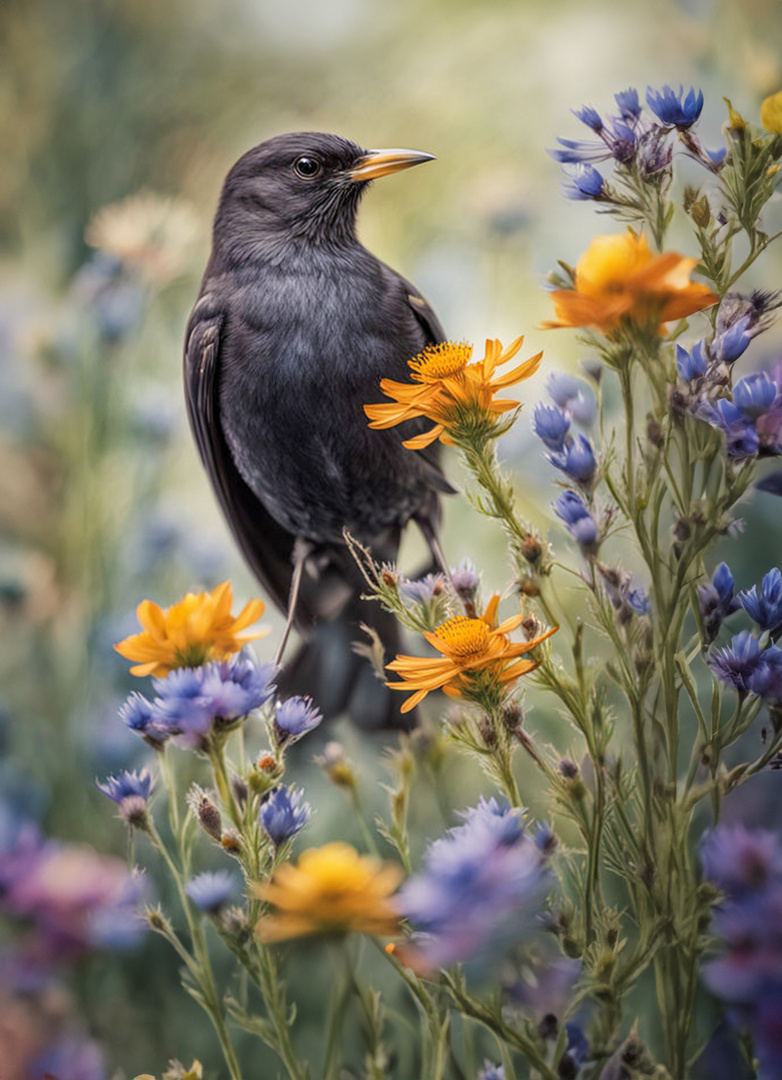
266 546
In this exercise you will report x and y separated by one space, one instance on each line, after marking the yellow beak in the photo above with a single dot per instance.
377 163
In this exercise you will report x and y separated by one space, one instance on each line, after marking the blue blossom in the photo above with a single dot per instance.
573 395
741 436
638 601
716 602
576 460
424 590
589 116
729 345
580 524
71 1057
191 700
491 1072
585 183
717 157
740 860
127 785
481 889
211 890
465 579
295 717
766 680
617 140
629 104
736 664
764 606
692 365
551 426
755 394
675 110
282 814
139 715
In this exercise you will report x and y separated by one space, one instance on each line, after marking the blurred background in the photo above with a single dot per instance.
118 121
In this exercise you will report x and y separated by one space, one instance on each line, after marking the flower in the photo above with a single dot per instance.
691 365
282 814
576 459
491 1072
199 628
456 395
573 395
476 655
618 278
191 700
481 887
210 891
138 714
741 860
580 524
73 1056
755 394
771 113
764 607
675 110
736 664
584 183
331 889
551 426
295 717
424 590
716 601
130 791
177 1071
465 580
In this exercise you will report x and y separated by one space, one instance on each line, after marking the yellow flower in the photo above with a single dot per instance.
332 889
199 628
771 113
470 647
451 391
618 278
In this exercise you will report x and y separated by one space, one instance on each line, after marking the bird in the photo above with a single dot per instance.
295 324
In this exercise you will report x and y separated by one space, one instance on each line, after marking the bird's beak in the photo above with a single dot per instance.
377 163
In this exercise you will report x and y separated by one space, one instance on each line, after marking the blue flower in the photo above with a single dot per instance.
576 460
589 116
692 365
580 524
733 341
764 607
127 785
211 890
295 717
766 681
716 601
551 426
736 664
465 579
491 1072
573 395
629 105
716 156
424 590
675 110
585 183
638 601
482 887
740 860
139 715
741 437
283 814
755 394
191 700
71 1057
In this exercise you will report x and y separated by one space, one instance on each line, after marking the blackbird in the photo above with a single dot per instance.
295 325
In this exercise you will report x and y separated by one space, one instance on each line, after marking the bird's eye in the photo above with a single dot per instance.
306 167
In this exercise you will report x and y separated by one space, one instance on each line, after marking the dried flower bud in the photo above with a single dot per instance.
487 733
701 212
654 432
206 812
568 768
231 842
239 788
512 716
336 766
266 763
531 548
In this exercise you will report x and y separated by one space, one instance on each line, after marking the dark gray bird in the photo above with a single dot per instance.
295 325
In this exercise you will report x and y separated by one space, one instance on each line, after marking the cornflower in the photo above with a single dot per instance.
675 110
477 658
282 814
199 628
618 279
210 891
764 605
331 889
457 396
130 791
716 602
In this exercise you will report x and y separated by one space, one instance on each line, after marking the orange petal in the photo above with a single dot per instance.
424 439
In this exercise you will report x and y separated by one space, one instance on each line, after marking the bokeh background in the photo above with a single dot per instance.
141 107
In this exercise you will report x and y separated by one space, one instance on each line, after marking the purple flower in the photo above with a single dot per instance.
589 116
655 153
139 715
580 524
573 395
130 791
211 891
465 579
424 590
295 717
584 183
282 814
716 602
629 104
576 460
551 426
764 607
481 889
675 110
740 860
191 700
755 394
71 1057
736 664
766 681
741 437
692 365
733 341
551 990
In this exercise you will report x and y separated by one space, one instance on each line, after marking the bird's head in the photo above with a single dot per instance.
303 186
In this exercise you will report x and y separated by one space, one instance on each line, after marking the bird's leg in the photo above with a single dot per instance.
301 550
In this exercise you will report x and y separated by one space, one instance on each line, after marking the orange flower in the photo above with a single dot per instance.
447 389
199 628
618 278
332 889
469 647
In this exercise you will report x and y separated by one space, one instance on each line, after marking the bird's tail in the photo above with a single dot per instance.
342 681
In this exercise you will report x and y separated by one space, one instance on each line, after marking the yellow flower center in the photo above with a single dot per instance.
439 361
464 637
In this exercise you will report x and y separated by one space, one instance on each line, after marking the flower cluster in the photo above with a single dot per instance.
478 658
481 889
745 664
747 866
456 395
